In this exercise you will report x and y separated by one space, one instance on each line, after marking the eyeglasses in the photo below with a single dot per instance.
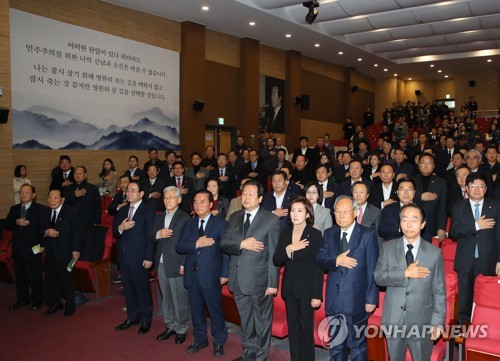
477 186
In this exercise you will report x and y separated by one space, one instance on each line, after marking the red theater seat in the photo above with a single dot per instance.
280 324
376 346
6 263
486 312
94 276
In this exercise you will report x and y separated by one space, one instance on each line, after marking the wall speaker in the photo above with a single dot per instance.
198 105
472 83
354 88
418 92
304 105
4 115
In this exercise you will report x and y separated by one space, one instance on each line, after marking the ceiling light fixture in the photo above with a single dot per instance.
409 78
312 12
440 71
375 65
205 8
489 60
316 45
341 53
288 35
432 65
396 74
386 69
446 76
251 23
360 59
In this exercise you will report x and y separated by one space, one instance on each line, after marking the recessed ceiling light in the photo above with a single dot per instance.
396 74
440 71
341 52
386 69
288 35
409 78
205 8
316 45
359 59
489 60
375 65
446 76
251 23
432 65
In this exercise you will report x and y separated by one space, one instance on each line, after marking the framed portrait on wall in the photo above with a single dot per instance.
272 112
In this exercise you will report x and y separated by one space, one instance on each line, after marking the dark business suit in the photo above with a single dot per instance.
175 301
58 253
222 206
58 178
330 187
371 219
349 290
158 186
302 282
269 204
27 266
403 167
261 171
119 198
435 210
227 190
187 198
463 229
303 176
203 269
135 246
311 155
388 227
455 194
408 301
345 188
138 173
377 194
251 273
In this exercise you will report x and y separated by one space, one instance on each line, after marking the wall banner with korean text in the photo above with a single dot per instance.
75 88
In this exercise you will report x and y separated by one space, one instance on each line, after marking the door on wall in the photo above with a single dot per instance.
221 138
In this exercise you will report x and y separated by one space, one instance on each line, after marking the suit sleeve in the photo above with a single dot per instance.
76 230
439 293
10 221
442 218
229 243
327 258
372 251
315 244
150 245
225 257
462 225
185 244
273 237
97 205
387 225
386 277
280 257
118 220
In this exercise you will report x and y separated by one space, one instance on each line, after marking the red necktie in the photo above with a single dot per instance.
465 194
360 215
131 213
179 184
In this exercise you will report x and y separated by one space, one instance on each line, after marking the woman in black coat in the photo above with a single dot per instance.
302 286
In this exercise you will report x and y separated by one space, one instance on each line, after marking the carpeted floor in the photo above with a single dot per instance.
90 334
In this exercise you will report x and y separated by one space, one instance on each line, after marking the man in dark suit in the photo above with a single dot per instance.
153 188
457 160
368 214
24 221
153 159
206 269
61 244
341 172
349 253
184 183
255 170
473 225
431 193
415 297
170 265
310 153
385 192
302 174
275 113
133 171
355 175
444 156
402 168
458 191
197 173
251 239
133 226
62 176
278 199
226 175
120 198
330 188
279 161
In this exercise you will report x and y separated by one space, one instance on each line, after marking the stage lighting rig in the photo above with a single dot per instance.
313 10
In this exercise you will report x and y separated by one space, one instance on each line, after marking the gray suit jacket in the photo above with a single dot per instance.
198 183
423 298
322 218
234 206
371 218
255 270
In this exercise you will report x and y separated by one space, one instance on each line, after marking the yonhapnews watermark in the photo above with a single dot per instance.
333 331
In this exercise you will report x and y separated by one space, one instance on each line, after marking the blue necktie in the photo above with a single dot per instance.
476 217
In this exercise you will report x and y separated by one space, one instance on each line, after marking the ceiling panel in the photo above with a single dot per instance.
479 45
345 26
440 12
414 31
388 46
439 50
389 20
427 41
484 7
354 8
407 53
449 27
369 37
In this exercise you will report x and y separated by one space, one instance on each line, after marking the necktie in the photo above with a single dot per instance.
201 231
152 182
23 211
360 215
131 213
343 242
246 225
54 218
65 175
409 255
124 197
476 217
465 194
179 184
221 173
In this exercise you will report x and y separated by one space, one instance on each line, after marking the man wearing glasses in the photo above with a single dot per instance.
473 160
349 253
473 225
